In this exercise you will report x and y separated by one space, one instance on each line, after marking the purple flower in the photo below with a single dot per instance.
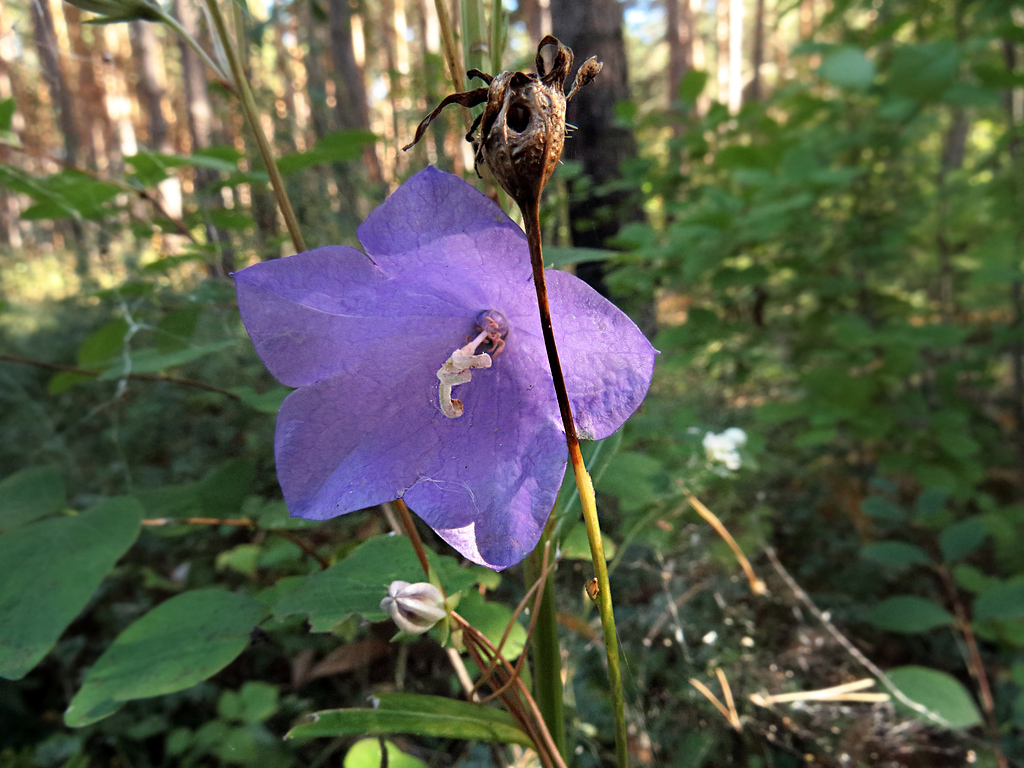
383 346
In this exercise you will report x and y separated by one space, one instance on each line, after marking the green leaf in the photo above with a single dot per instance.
357 584
576 545
416 714
154 361
909 614
941 694
264 402
924 72
633 478
254 703
960 539
222 492
179 643
103 345
880 508
29 495
48 572
597 457
848 67
1002 603
336 147
692 85
899 554
492 619
563 257
7 107
365 753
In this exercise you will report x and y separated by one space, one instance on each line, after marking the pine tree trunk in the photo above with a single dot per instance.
350 110
202 132
595 29
756 90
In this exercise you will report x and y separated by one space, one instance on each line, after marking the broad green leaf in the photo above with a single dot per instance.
576 545
335 147
103 345
941 694
154 361
366 753
29 495
692 85
923 72
909 614
358 583
7 107
1002 603
899 554
848 67
179 643
960 539
48 572
420 715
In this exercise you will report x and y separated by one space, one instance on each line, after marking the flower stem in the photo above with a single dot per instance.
252 116
531 223
547 658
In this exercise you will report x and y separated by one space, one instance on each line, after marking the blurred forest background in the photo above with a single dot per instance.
815 209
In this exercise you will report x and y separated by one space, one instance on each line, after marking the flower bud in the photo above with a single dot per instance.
415 608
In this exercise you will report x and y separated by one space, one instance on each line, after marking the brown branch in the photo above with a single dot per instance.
137 376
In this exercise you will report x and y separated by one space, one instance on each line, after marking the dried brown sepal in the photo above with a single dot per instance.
468 99
522 128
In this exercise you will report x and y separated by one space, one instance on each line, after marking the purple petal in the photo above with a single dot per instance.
436 221
322 313
606 360
494 479
357 440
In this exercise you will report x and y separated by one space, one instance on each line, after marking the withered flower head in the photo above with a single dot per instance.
521 131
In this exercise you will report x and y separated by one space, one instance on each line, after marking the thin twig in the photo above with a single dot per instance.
853 650
756 585
137 376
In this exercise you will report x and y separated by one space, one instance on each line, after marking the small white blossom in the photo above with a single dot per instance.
415 608
725 448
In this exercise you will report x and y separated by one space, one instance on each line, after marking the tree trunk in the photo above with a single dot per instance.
595 29
45 38
201 131
679 36
756 91
350 109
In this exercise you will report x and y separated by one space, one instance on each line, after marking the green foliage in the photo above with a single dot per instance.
411 713
49 571
176 645
943 697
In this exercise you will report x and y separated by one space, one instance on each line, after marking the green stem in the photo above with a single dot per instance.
585 486
252 116
547 657
192 43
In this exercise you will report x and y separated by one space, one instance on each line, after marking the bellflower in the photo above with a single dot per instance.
421 372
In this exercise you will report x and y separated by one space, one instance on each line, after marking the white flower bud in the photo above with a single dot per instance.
415 608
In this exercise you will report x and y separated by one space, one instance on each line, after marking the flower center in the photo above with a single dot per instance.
491 327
